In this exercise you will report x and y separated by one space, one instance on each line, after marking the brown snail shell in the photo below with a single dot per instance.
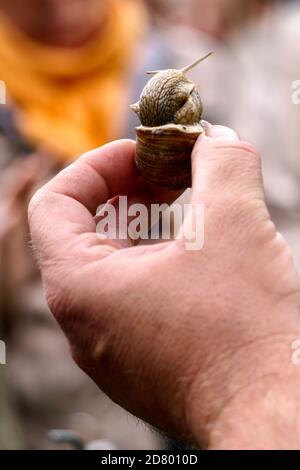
170 110
163 154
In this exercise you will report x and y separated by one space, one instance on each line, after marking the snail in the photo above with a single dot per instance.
170 110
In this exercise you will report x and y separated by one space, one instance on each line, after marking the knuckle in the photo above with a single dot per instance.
66 307
249 155
238 150
57 297
61 284
232 164
78 358
245 147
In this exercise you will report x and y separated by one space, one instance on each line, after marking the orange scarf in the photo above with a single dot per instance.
69 101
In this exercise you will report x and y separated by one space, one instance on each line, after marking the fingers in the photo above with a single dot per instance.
130 214
61 213
222 164
98 175
226 183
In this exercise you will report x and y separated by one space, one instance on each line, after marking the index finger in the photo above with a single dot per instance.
61 214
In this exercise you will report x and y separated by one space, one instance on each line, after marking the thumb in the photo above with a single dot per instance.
224 165
227 189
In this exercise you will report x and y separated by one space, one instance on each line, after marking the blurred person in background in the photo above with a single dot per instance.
67 66
71 68
222 18
216 18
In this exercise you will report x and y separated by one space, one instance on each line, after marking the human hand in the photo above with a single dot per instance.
196 343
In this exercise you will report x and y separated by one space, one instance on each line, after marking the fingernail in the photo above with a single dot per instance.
222 132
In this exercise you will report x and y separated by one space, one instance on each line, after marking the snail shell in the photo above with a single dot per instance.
170 111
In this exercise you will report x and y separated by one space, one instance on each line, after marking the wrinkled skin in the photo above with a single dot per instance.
196 343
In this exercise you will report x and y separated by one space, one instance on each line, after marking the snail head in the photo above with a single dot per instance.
170 97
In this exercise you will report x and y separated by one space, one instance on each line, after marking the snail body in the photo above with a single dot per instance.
170 111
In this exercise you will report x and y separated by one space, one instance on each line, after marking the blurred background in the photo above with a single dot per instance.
71 69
